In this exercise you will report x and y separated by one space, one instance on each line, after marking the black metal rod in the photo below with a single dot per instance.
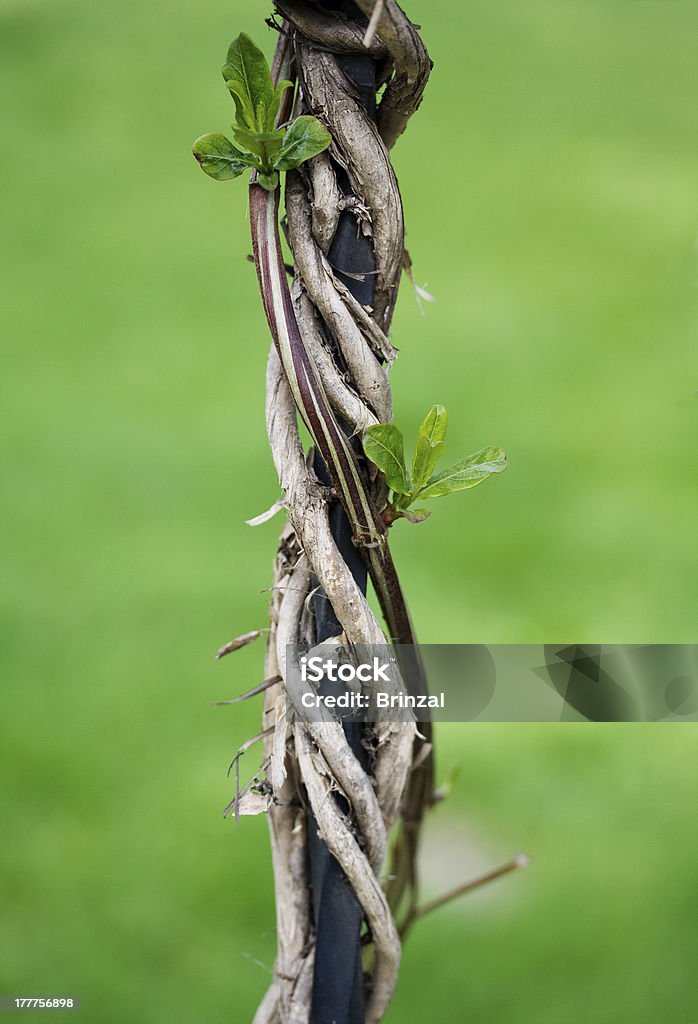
338 984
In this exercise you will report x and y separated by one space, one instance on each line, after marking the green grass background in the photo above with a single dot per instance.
549 181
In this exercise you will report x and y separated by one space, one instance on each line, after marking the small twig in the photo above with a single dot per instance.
373 23
236 803
236 763
245 789
248 693
250 743
276 26
292 590
520 861
257 963
237 643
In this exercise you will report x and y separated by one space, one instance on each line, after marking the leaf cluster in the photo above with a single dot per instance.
385 447
264 147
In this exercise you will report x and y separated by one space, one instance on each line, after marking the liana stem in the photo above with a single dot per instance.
370 533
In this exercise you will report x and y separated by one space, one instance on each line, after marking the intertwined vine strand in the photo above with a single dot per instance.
328 364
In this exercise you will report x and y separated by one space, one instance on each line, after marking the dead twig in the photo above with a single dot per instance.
237 643
520 861
373 23
248 693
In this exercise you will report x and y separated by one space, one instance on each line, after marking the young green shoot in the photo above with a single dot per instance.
265 148
385 447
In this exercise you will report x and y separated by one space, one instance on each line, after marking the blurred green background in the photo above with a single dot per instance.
549 182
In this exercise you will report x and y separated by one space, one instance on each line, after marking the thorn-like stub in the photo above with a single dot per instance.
237 643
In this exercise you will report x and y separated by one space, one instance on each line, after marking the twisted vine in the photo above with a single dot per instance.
341 796
334 789
329 363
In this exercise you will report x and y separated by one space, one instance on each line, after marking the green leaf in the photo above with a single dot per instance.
265 145
273 108
415 515
469 472
268 181
244 114
246 73
430 445
384 446
304 138
219 157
